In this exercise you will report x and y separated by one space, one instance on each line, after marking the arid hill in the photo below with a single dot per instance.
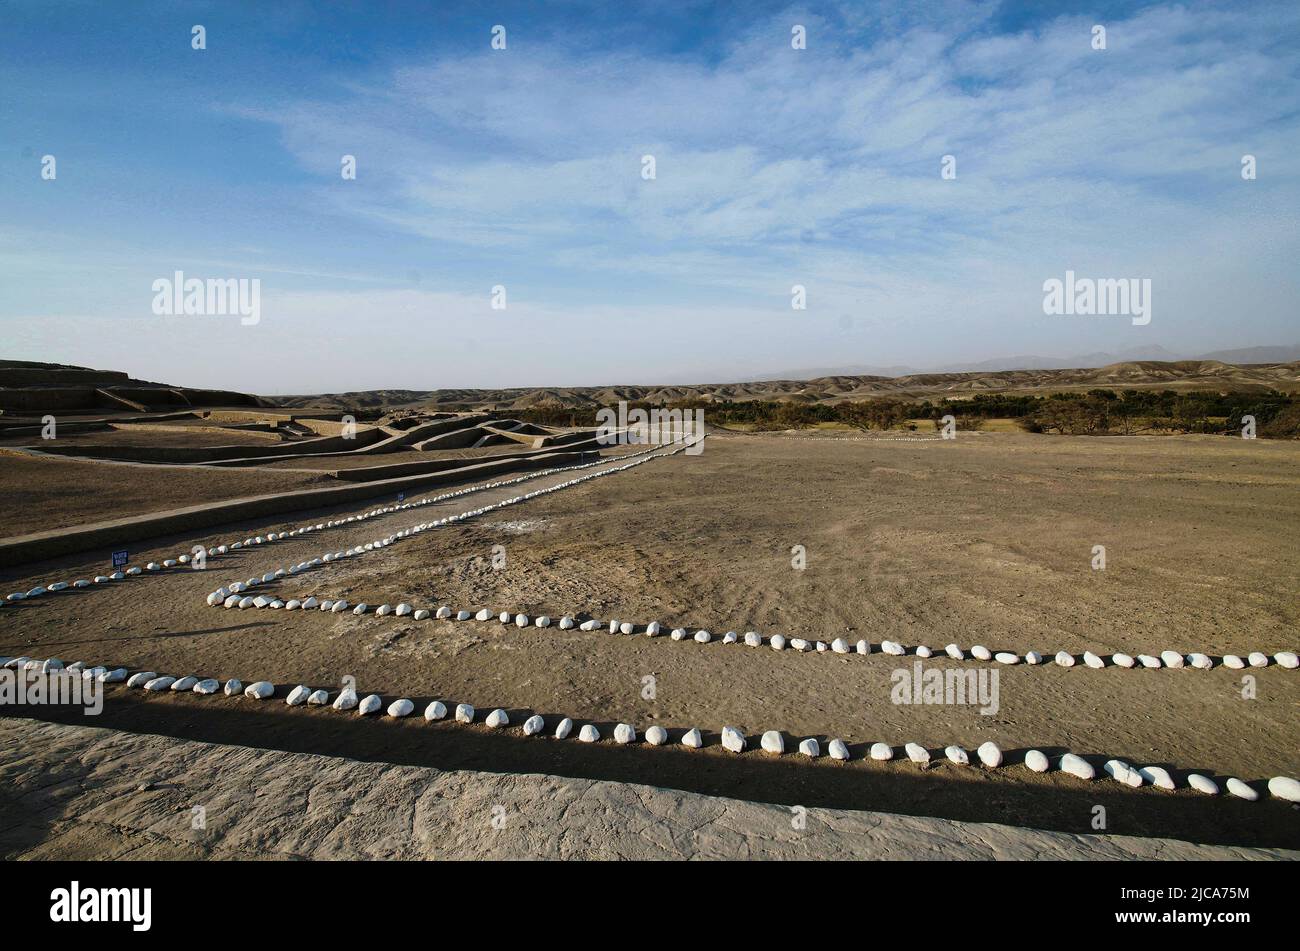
1179 375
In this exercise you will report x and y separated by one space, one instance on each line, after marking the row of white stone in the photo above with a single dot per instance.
1168 658
733 740
235 594
183 560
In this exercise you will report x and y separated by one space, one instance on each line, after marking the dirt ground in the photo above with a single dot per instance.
39 493
983 540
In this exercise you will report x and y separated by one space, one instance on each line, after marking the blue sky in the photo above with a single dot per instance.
522 167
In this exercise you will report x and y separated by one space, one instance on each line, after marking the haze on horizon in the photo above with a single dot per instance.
522 167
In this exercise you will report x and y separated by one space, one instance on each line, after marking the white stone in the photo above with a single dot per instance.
955 652
729 638
497 718
589 625
863 646
753 639
464 713
534 725
1239 789
421 615
298 696
400 708
627 627
114 676
483 615
837 750
733 739
980 652
777 642
465 616
1122 660
1036 761
403 609
159 684
563 728
840 645
1152 663
384 610
1077 766
346 700
51 665
652 629
566 623
957 755
656 736
810 748
1172 659
259 690
772 742
1233 661
799 644
207 686
694 740
339 607
588 733
625 733
989 755
1284 787
1033 657
1258 659
1122 772
521 620
233 687
917 753
1203 784
318 698
310 603
1157 776
923 651
881 752
1287 659
1006 657
436 710
1200 661
1092 660
361 608
703 637
183 684
370 704
1063 659
893 648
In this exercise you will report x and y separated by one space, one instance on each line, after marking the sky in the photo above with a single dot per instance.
523 168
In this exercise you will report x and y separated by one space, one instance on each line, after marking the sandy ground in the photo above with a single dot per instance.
46 492
986 540
90 793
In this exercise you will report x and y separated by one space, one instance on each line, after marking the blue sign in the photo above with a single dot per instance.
120 558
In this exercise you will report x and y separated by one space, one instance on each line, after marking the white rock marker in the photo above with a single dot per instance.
753 639
1157 776
566 623
464 713
625 733
233 687
183 684
656 736
497 719
881 752
1122 660
1258 659
1063 659
893 648
318 698
400 708
259 690
1006 657
863 646
346 700
207 686
486 615
371 704
729 638
1036 761
923 651
1172 659
521 620
733 739
1033 657
772 742
837 750
652 629
298 696
159 684
1203 784
776 642
980 652
588 733
957 755
118 674
1151 663
1239 789
694 740
989 754
955 652
1284 787
1122 772
809 748
1287 659
534 725
436 710
1093 661
563 728
917 753
1235 663
1077 766
140 679
840 645
1200 661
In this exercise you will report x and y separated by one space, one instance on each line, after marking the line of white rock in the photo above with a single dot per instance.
235 594
733 740
182 560
1170 659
